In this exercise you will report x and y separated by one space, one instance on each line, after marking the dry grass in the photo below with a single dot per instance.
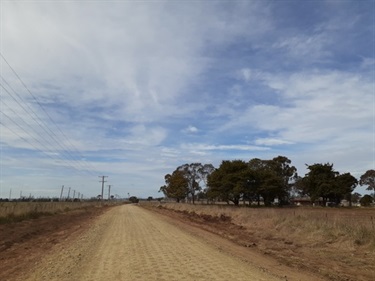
353 226
339 243
18 211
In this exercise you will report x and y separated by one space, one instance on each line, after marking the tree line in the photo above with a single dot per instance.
258 180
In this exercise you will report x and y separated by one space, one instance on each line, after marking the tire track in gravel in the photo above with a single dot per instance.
130 243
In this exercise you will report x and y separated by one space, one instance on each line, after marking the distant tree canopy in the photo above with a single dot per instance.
253 180
258 180
227 183
186 181
322 181
195 174
366 200
356 197
176 187
368 179
133 199
274 177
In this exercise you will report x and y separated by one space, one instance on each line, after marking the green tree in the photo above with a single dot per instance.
270 179
195 173
366 200
356 197
286 173
133 199
227 183
271 187
255 183
320 181
204 171
345 184
258 179
176 187
368 179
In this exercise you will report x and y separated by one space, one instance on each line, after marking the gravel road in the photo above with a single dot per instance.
131 243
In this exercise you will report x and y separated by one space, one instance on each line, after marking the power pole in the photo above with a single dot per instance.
103 181
109 192
74 194
68 194
61 194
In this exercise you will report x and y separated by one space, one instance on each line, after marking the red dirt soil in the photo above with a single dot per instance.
25 242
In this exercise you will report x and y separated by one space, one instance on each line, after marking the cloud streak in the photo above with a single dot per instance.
139 88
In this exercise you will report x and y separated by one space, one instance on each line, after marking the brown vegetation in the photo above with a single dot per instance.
19 211
339 244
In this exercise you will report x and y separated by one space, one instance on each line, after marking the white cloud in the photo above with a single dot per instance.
191 129
305 47
120 77
139 57
169 152
271 141
209 147
246 73
314 106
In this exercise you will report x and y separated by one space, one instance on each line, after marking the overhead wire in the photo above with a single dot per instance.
42 123
83 164
44 151
35 131
66 154
27 141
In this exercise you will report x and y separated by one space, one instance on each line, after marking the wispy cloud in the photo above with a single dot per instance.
191 129
271 141
140 88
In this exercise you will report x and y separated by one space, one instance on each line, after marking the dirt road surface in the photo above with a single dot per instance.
131 243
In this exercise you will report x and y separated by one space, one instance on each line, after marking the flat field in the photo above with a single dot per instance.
15 208
336 243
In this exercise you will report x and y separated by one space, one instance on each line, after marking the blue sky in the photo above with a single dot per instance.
133 89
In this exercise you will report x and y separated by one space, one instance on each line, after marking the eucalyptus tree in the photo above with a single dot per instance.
227 183
271 179
176 186
319 182
195 174
322 181
368 179
286 173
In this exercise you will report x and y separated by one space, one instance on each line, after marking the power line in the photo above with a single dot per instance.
34 138
41 124
40 105
35 147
